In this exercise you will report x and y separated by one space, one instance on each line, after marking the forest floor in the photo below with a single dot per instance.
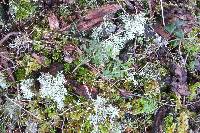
100 66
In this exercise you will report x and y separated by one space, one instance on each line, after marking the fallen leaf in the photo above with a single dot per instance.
70 53
85 91
128 130
6 63
152 6
53 22
158 28
95 17
69 48
194 106
39 59
159 116
87 25
125 94
68 1
102 11
179 81
54 68
134 5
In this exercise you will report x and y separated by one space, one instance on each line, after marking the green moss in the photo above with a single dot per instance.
151 86
67 67
30 64
57 56
38 46
169 125
37 33
20 73
145 105
23 9
86 126
84 75
193 90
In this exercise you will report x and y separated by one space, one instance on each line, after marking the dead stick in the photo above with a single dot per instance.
7 36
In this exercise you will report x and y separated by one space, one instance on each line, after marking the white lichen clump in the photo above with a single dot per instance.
31 127
103 49
21 43
53 88
3 83
25 87
133 25
102 112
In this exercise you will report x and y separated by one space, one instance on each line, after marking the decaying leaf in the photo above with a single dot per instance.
71 52
125 94
53 22
158 28
95 17
180 18
55 68
159 118
194 106
135 5
179 81
128 130
102 11
5 63
68 1
85 91
39 59
152 6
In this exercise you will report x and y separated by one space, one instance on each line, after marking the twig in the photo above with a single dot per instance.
162 10
7 36
22 107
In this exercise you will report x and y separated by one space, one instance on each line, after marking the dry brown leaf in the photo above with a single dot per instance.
39 59
134 5
159 116
125 94
85 91
95 17
71 52
158 28
102 11
173 14
87 25
68 1
53 22
152 6
179 82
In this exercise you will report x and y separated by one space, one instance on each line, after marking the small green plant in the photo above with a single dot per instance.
116 69
175 28
146 105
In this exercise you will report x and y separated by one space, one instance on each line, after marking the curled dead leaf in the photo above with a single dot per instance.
179 81
102 11
85 91
39 59
71 52
53 22
125 94
95 17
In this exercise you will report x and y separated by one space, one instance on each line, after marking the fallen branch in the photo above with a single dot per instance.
7 36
